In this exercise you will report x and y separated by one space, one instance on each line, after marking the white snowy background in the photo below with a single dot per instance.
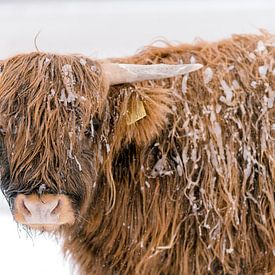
101 29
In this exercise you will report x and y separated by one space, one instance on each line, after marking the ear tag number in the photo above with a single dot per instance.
136 112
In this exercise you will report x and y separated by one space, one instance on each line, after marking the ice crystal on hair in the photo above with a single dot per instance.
184 83
252 56
270 99
207 75
47 61
198 169
108 148
263 70
218 108
83 61
193 59
227 91
42 188
63 97
235 84
260 47
229 250
78 164
94 68
67 69
52 93
230 68
253 84
147 184
71 97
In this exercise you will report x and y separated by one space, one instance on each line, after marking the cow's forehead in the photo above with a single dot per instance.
66 84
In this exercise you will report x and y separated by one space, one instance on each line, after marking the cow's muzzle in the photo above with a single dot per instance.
44 212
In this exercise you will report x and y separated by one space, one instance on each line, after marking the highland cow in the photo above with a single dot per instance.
144 168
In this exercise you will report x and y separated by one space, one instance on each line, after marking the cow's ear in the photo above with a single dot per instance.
144 111
144 114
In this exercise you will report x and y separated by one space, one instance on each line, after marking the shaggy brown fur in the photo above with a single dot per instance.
189 189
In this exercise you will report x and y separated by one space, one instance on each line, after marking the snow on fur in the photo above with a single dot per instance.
188 189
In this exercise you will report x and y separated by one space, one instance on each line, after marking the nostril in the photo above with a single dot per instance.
25 209
57 208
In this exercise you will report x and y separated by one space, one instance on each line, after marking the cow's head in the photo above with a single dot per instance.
56 131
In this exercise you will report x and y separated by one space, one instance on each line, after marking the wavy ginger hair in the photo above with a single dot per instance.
189 189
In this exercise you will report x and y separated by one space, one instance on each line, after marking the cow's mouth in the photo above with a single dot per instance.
45 212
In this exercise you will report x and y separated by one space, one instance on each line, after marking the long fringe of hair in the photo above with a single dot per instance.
190 187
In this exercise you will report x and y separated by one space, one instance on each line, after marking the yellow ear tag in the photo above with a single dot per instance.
136 112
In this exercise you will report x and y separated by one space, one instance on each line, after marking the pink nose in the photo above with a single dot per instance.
43 210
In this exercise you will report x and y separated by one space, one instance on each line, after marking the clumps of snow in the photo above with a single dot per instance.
270 99
160 170
92 129
252 56
229 250
78 164
273 72
147 184
47 61
207 75
99 153
184 83
174 108
94 68
215 231
248 158
227 92
67 70
108 148
71 97
212 115
261 48
218 108
82 61
179 165
63 97
218 133
246 153
42 189
70 151
213 156
69 81
235 84
263 70
51 94
253 84
193 59
230 68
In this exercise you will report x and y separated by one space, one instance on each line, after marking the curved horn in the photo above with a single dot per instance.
127 73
